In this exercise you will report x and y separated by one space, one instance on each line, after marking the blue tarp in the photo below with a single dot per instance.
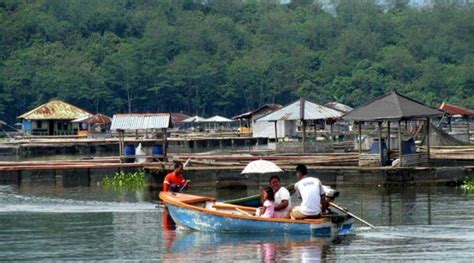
27 125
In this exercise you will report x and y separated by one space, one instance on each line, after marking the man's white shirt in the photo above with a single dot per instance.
310 189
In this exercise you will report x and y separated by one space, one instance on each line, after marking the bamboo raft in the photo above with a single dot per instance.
331 159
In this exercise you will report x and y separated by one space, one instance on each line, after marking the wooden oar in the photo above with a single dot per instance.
344 210
183 187
187 162
243 212
186 184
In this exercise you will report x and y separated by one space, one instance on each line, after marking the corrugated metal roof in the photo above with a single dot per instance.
82 119
55 110
339 106
456 110
141 121
249 114
95 119
178 117
312 111
218 118
391 106
99 119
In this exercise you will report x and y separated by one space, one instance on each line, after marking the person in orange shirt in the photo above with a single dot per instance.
174 181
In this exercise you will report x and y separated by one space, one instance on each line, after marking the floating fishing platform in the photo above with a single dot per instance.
224 171
85 146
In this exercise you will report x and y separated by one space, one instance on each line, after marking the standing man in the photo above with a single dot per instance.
312 194
174 181
282 198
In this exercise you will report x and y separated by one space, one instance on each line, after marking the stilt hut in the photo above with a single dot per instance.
52 118
456 112
147 123
249 126
393 108
301 112
98 123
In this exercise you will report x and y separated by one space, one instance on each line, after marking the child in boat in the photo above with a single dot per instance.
268 208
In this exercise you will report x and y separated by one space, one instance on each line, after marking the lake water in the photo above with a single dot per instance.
45 223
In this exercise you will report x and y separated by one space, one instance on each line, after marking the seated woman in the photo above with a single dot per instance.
268 208
282 197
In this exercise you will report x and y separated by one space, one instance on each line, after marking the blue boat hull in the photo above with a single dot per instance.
203 221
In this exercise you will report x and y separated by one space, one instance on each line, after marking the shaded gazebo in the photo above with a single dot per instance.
393 107
194 122
218 121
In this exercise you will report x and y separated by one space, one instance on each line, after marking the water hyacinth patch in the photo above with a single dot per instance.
469 185
125 180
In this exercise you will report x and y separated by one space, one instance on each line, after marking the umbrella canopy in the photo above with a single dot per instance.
261 167
194 119
218 118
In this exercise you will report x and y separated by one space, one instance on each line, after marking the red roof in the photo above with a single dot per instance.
456 110
99 119
178 117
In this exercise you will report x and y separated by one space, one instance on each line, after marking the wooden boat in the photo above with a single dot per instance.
205 214
254 200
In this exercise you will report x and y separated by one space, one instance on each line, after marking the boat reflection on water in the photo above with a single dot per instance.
169 227
184 245
168 223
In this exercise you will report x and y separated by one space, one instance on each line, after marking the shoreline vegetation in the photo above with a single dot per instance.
125 180
469 185
228 57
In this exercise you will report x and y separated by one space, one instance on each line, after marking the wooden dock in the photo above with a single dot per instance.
212 169
92 146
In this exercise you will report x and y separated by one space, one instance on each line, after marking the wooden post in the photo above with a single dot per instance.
332 129
276 132
120 143
165 143
315 134
380 143
360 137
388 137
428 137
121 138
400 154
304 134
302 106
468 131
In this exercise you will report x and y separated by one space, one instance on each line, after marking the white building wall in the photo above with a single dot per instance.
267 129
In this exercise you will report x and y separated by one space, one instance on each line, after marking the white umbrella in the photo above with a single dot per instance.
261 167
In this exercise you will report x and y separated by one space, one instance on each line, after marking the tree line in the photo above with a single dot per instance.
229 56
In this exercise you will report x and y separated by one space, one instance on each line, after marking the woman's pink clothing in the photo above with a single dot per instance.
279 214
269 209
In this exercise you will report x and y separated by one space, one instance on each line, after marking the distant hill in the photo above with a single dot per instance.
228 57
